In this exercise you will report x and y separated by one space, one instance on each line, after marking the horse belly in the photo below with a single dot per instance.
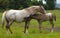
19 20
20 17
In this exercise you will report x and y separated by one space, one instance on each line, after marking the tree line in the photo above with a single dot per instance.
20 4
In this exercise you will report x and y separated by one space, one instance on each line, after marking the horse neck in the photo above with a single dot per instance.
30 11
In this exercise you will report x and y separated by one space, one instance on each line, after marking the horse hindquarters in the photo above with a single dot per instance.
8 25
52 23
54 17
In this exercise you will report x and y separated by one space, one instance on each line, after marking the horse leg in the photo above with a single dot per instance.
8 26
52 28
26 26
40 25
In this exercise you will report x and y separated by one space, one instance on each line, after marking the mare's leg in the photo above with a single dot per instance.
40 25
26 26
52 28
8 26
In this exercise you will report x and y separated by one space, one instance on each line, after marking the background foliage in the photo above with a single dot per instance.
20 4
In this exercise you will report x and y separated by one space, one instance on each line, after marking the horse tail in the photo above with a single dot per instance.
3 19
54 17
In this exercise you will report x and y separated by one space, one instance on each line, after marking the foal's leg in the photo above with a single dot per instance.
8 26
26 26
40 25
52 28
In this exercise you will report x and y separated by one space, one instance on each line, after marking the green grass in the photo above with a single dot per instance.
18 28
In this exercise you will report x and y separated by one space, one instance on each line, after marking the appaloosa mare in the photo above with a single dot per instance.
20 15
41 18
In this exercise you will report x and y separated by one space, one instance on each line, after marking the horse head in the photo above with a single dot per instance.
41 9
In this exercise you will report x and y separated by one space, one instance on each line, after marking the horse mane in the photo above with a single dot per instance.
31 9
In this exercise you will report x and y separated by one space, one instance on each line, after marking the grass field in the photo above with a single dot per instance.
18 28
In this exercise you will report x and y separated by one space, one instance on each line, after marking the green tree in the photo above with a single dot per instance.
18 4
4 4
50 4
35 2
